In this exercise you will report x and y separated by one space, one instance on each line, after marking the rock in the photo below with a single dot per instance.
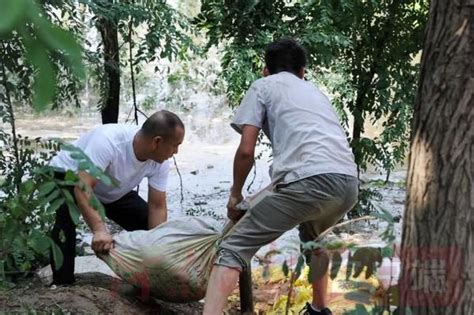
210 167
84 264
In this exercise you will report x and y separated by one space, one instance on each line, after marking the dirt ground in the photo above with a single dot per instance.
96 293
93 293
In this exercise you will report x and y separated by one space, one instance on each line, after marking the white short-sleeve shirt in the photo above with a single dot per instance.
304 130
110 147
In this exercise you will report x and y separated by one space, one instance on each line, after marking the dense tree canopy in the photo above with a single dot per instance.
363 52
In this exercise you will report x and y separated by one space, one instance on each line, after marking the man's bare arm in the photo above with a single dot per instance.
243 162
157 209
244 157
102 241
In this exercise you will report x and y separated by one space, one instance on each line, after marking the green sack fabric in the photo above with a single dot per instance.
171 262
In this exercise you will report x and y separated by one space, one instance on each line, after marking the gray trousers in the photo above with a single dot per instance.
314 203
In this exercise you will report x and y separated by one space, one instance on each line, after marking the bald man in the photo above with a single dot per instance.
128 154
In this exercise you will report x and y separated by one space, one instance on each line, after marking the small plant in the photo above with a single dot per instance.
366 204
359 259
29 197
26 209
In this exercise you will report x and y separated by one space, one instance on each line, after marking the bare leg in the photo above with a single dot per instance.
221 284
319 265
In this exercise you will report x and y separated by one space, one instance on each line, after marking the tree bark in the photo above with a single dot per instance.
437 243
108 31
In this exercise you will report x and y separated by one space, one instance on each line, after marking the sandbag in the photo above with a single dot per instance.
171 262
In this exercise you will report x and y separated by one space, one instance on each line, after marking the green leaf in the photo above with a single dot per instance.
384 215
335 245
45 77
74 211
70 176
40 243
387 251
335 264
361 310
107 180
68 183
285 268
59 39
97 205
28 186
11 14
350 266
57 254
311 245
299 266
67 146
56 204
46 188
85 166
78 156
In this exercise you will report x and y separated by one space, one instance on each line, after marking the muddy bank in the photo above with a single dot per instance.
93 293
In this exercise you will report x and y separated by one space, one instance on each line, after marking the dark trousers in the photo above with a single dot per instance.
130 212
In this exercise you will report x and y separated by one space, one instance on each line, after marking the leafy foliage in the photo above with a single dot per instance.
45 47
30 196
149 30
361 260
363 52
365 204
36 52
27 205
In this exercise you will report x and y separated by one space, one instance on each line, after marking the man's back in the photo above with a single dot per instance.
306 136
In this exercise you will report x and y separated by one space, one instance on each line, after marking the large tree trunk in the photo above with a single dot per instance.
438 244
109 33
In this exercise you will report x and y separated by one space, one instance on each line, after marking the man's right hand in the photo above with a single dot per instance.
102 242
233 212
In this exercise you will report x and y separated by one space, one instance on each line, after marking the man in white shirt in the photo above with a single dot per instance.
127 154
313 173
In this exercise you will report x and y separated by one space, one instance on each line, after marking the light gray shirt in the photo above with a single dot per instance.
304 130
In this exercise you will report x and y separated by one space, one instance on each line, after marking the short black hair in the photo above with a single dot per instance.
285 54
162 123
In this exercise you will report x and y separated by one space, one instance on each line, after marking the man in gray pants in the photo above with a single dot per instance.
313 171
